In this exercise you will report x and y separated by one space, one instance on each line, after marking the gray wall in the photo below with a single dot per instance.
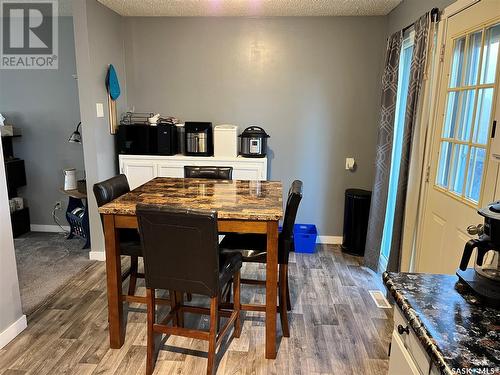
44 105
409 10
312 82
99 42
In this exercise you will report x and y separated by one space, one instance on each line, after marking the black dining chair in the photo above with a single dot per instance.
130 242
253 248
181 254
218 173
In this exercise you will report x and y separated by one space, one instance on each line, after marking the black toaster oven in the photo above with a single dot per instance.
141 139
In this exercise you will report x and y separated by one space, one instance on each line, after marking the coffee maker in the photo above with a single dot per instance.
484 278
198 139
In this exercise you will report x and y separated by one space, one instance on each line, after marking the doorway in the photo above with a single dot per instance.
462 175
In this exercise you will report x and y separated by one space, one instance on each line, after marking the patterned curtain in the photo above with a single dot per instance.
384 147
384 151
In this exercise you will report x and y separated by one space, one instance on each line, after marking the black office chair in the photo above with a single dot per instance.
130 242
253 248
181 254
218 173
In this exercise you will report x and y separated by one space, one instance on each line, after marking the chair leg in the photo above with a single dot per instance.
173 305
282 301
179 299
134 265
151 307
214 313
228 294
288 303
237 305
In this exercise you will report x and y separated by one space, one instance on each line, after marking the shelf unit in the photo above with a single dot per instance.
16 178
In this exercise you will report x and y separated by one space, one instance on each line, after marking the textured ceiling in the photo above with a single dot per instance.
186 8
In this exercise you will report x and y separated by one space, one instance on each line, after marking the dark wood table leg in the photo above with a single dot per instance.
114 284
271 289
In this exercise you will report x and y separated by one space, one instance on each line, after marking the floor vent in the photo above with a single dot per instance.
379 299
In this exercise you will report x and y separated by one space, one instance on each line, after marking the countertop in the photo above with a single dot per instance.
232 199
455 329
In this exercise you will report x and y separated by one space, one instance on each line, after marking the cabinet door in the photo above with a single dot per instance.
138 172
400 362
248 171
171 169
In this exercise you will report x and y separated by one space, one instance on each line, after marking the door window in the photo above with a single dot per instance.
468 111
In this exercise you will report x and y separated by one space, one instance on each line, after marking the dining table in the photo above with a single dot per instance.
243 206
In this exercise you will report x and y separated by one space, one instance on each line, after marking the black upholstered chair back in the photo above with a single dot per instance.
218 173
292 206
108 190
180 249
105 192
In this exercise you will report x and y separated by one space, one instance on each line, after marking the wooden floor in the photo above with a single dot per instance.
335 329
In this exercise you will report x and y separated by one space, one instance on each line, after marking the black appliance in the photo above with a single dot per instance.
356 212
484 278
198 139
253 142
141 139
133 139
166 139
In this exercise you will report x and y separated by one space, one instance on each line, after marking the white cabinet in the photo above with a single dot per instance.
407 354
138 172
401 362
139 169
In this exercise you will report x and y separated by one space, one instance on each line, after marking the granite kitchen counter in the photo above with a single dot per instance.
460 335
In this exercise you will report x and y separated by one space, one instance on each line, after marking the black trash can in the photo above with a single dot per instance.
356 211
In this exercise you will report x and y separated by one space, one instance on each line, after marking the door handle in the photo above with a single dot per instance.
475 229
493 128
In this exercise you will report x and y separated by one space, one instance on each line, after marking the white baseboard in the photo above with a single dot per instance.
329 240
97 255
12 331
47 228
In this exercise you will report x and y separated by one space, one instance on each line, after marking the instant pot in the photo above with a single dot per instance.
253 142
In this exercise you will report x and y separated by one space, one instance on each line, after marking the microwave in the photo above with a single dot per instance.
141 139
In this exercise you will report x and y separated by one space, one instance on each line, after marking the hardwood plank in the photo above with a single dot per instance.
334 328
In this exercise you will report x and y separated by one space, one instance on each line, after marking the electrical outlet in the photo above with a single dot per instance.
58 205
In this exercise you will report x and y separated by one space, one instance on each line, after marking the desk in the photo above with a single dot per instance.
242 206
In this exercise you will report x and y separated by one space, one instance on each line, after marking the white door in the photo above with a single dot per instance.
138 172
462 175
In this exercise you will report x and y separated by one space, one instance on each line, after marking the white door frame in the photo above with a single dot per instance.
411 254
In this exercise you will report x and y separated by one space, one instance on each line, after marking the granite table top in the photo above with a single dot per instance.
232 199
460 335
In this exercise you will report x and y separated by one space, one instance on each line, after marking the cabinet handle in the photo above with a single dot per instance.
402 329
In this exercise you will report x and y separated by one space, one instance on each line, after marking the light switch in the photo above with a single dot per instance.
350 164
99 109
